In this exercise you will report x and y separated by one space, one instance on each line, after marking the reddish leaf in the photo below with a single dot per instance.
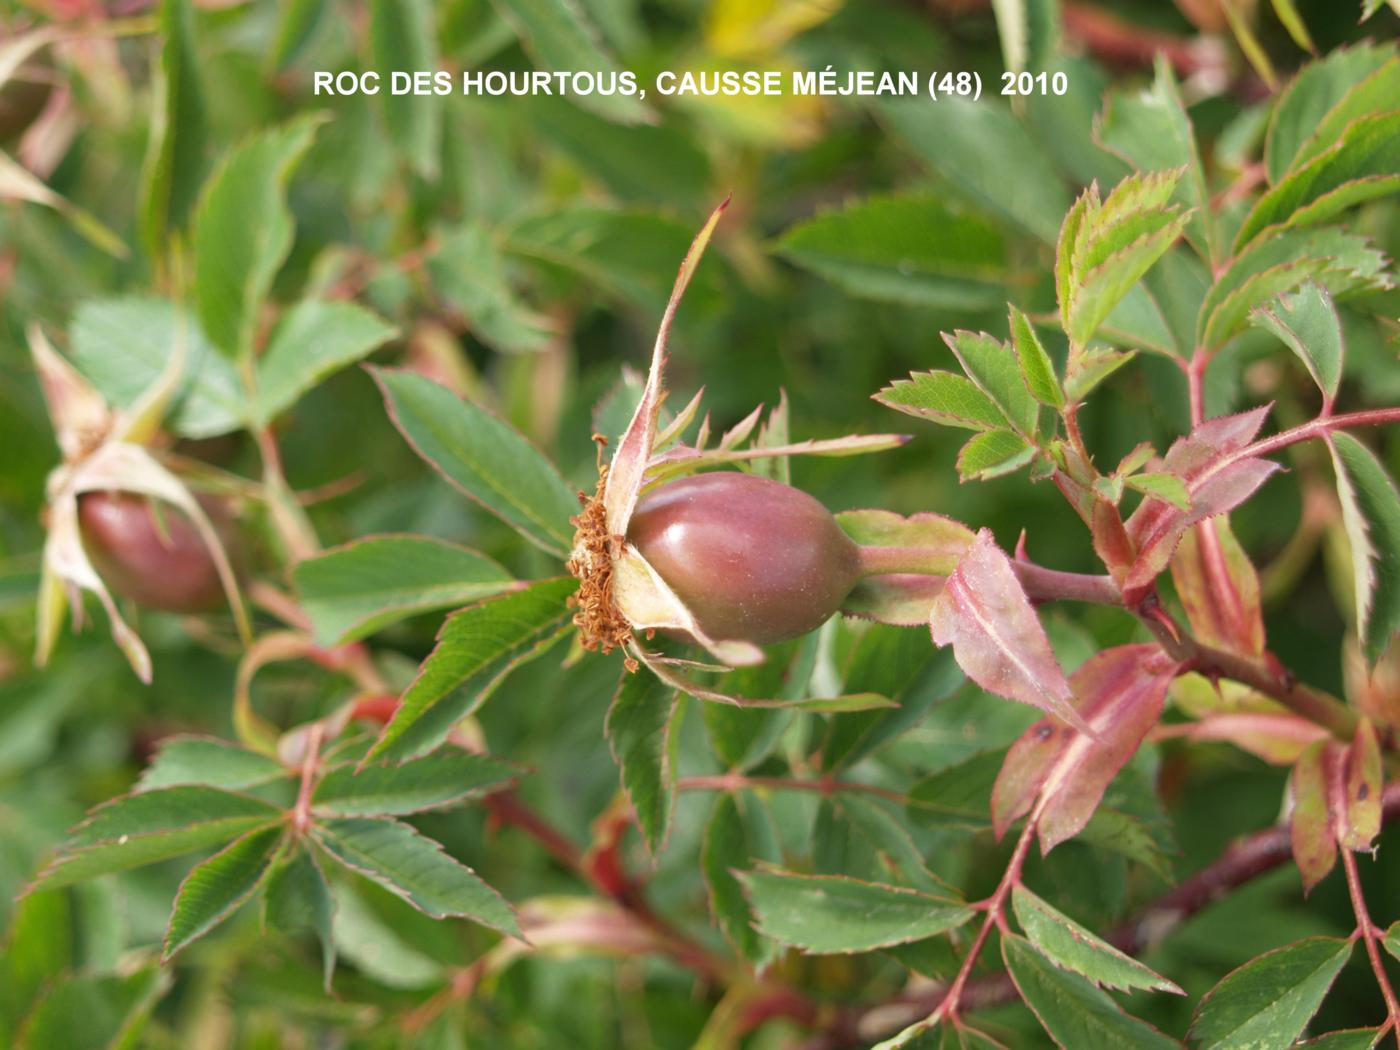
1314 844
1219 588
1111 542
1119 693
997 639
1336 796
1279 739
1359 822
1217 478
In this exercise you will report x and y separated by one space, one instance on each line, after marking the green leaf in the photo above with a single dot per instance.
297 898
944 398
1347 1039
313 340
1371 513
880 248
558 36
1373 95
629 255
1037 371
1029 32
38 948
992 365
243 232
1340 262
984 151
1166 487
153 825
295 29
638 727
1307 323
1269 1000
1392 939
726 848
1073 1011
469 272
174 162
214 889
959 795
184 760
434 781
1364 165
1065 943
1287 11
123 345
416 869
483 457
353 591
660 164
826 914
91 1012
992 454
402 37
1315 91
1131 836
1086 370
1100 289
476 649
376 942
1151 131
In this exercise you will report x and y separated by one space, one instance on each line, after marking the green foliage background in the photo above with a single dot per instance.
531 245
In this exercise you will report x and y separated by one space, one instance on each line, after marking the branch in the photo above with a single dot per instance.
1371 417
1271 679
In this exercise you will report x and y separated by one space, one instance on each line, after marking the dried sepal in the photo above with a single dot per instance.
634 451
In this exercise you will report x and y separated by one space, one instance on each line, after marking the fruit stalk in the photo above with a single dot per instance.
1040 584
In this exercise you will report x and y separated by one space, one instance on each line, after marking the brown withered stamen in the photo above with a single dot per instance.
601 625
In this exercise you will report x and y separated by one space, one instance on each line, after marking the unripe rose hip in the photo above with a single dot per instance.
159 564
753 559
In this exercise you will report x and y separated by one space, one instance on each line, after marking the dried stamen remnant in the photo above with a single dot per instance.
601 625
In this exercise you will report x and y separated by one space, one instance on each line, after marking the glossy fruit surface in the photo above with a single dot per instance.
753 559
161 563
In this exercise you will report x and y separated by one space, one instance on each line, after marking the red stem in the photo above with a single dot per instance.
1371 417
1368 932
995 906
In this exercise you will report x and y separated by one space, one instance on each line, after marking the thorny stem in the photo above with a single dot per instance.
1368 932
995 907
1275 682
1325 424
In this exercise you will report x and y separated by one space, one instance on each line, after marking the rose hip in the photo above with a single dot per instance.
753 559
161 564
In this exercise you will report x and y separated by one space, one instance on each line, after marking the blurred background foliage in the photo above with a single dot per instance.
524 249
